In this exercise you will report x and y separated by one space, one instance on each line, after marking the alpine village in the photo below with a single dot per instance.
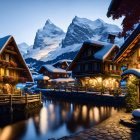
92 92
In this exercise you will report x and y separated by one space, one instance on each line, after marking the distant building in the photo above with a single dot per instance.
63 64
56 74
13 68
94 67
53 72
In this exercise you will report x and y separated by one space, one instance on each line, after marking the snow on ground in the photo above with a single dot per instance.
136 113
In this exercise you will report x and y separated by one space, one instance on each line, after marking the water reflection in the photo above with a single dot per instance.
57 119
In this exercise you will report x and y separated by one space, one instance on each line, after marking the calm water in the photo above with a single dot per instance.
56 119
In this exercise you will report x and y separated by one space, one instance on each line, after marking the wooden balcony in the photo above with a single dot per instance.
88 73
112 72
17 68
10 51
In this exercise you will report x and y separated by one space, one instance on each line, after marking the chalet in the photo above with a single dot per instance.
63 64
13 68
53 72
56 75
129 55
94 67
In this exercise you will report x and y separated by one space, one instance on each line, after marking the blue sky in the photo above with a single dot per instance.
22 18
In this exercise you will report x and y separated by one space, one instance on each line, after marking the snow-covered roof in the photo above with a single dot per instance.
62 80
134 71
3 41
41 77
136 113
104 51
64 60
53 69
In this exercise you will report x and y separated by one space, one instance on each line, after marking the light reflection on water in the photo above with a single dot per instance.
57 119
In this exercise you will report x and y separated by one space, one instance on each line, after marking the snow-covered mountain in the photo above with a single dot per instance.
24 48
46 40
52 44
82 29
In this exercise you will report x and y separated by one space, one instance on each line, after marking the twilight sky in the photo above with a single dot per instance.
22 18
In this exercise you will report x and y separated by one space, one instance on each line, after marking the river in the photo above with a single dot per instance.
55 120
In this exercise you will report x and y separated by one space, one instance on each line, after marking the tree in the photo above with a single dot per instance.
130 10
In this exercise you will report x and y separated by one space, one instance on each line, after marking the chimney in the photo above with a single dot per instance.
111 38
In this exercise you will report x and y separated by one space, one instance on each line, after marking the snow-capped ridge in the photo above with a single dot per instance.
48 22
51 41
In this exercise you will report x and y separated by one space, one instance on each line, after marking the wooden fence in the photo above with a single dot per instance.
19 99
85 89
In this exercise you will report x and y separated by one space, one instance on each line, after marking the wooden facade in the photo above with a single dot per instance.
129 56
94 67
13 69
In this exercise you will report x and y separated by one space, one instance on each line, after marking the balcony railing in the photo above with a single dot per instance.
12 79
116 72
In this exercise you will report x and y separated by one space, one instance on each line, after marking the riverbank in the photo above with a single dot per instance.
119 126
85 97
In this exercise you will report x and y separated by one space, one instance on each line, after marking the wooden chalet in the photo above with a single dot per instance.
13 68
129 56
53 72
63 64
94 67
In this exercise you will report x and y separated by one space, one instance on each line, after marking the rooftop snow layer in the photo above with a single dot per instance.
104 51
3 41
41 77
64 60
62 80
55 70
132 71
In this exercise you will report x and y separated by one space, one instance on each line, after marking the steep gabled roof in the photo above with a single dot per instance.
129 43
53 69
4 42
66 61
102 54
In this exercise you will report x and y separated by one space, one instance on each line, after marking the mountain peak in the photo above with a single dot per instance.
48 22
99 20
